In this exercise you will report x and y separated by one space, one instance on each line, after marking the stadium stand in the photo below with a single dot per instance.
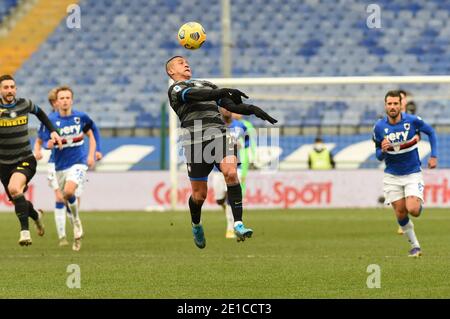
5 8
116 62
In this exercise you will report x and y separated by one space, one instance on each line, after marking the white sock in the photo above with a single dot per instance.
60 221
74 208
408 229
229 216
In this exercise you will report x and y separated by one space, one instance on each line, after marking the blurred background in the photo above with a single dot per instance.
115 63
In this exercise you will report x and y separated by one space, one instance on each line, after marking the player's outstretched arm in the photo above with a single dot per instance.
246 109
191 94
54 136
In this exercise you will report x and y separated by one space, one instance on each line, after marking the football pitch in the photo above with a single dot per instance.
294 254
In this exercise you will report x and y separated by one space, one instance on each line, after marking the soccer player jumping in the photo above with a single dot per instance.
396 143
206 141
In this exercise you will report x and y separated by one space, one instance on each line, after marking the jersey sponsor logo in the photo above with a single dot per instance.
20 168
25 164
397 136
70 129
22 120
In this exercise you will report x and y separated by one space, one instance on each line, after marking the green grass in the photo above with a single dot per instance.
293 254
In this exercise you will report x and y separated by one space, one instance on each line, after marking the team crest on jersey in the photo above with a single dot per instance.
177 88
77 120
407 126
386 130
198 84
58 123
13 114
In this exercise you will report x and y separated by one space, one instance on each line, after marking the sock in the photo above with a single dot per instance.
408 228
196 211
21 208
31 211
235 200
60 219
73 206
230 219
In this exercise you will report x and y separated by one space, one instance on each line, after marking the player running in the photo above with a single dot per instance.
17 163
205 141
396 143
61 211
70 162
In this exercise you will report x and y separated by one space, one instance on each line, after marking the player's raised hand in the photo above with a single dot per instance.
385 145
234 94
55 138
262 115
432 162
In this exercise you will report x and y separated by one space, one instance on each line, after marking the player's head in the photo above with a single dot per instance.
178 68
52 98
318 144
393 103
64 98
404 95
7 88
227 115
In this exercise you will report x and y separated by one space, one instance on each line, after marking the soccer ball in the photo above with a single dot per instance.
191 35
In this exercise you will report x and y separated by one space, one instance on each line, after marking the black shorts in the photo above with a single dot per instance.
27 167
202 157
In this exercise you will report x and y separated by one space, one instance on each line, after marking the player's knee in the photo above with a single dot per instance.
231 176
220 202
199 197
68 194
14 191
415 211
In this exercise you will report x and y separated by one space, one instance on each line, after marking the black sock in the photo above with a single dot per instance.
235 200
31 211
196 211
21 207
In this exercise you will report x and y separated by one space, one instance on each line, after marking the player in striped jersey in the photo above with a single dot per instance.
396 144
206 141
17 163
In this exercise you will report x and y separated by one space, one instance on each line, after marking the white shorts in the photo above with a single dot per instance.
398 187
219 185
51 176
76 174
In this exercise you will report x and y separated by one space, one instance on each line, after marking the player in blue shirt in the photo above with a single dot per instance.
71 163
60 211
237 131
396 141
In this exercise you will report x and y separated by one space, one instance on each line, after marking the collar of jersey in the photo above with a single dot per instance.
9 105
